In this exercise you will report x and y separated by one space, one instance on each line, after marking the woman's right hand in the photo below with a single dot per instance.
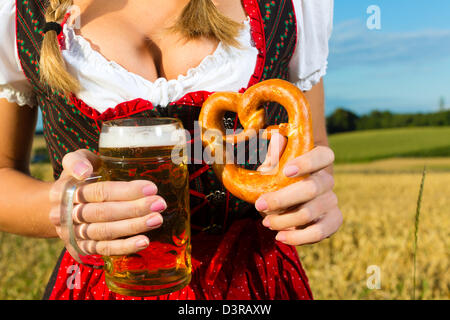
108 215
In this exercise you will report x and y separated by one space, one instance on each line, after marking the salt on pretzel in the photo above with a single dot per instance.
249 185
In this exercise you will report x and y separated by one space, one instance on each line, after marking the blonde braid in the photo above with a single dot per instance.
200 18
53 70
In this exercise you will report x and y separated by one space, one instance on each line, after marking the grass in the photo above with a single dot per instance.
397 165
416 231
26 265
379 203
365 146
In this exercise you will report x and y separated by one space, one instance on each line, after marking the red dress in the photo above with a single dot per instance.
245 263
233 255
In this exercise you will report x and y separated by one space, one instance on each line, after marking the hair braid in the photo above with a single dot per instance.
53 70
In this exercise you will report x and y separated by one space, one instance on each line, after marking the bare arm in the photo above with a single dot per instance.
316 98
31 207
24 201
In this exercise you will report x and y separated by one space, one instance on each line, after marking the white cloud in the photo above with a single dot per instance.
353 44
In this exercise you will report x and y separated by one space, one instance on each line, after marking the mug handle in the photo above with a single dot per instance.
67 227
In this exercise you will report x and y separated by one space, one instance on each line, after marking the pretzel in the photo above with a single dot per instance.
249 185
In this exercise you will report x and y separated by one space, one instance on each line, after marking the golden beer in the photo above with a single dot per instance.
143 149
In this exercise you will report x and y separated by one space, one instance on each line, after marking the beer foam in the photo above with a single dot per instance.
135 137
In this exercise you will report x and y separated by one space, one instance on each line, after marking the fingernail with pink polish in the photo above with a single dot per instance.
266 223
261 204
154 221
158 206
142 243
150 190
290 171
80 169
281 237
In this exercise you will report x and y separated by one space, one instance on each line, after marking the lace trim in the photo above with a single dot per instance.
258 38
122 110
18 97
310 81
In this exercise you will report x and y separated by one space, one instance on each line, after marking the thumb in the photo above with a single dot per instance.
80 164
276 148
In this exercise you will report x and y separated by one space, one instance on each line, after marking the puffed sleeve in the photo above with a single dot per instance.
14 86
314 26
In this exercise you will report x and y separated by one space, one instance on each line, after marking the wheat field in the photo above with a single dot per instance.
378 230
378 201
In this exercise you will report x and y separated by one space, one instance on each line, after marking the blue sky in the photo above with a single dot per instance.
403 67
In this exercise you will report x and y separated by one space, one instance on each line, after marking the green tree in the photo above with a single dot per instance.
341 120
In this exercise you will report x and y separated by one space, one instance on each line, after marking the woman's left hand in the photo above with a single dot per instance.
307 211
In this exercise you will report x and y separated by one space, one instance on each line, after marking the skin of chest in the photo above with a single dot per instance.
136 35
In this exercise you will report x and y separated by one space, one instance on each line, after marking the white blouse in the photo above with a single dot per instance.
104 83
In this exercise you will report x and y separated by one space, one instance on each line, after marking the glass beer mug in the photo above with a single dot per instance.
144 149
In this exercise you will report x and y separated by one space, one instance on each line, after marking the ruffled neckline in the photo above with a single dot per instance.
161 91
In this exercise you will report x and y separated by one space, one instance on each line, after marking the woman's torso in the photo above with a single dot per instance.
231 264
71 124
